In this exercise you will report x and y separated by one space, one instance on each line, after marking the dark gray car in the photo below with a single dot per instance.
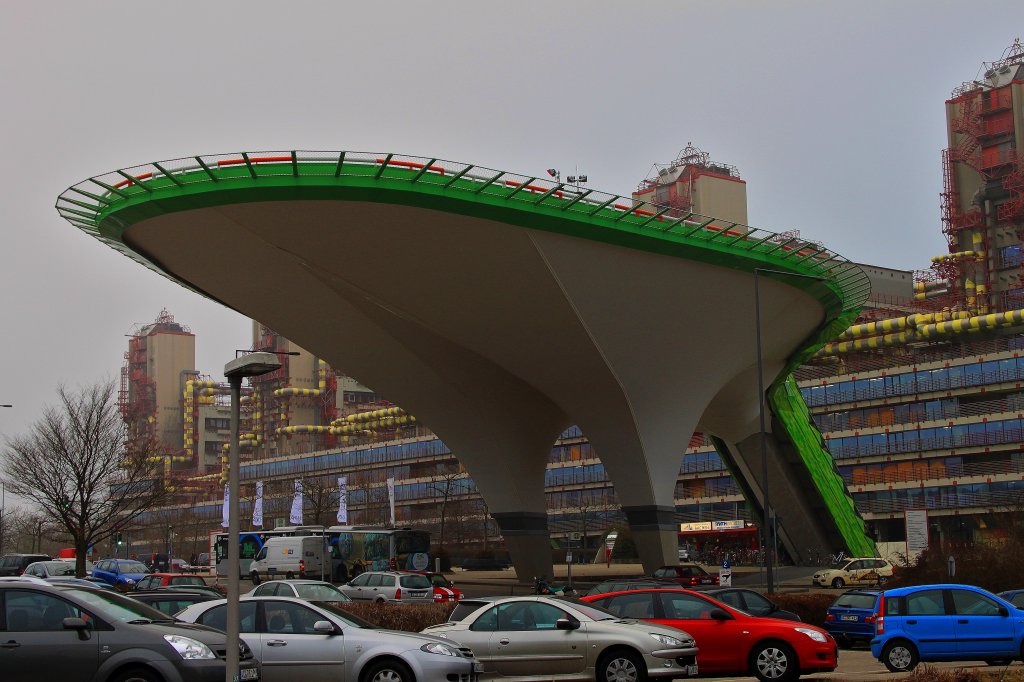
81 634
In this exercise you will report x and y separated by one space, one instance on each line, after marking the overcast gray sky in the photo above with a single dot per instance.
833 113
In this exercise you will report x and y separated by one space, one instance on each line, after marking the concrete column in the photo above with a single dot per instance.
529 544
655 533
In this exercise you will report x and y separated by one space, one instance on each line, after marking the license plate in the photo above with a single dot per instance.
691 670
249 674
853 618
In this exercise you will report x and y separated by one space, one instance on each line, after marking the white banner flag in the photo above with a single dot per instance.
257 507
296 515
391 498
224 513
343 500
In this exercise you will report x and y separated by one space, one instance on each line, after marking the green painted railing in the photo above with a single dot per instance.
105 205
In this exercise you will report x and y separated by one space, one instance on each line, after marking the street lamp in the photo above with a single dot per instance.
766 515
248 365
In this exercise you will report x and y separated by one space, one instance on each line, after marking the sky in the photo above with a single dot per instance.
832 112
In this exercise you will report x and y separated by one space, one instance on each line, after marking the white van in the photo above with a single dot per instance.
298 556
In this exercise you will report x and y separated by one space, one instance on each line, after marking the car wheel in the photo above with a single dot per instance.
998 661
838 583
621 666
774 661
844 643
387 671
136 675
255 578
899 656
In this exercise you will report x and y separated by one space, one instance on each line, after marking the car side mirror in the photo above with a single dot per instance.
79 624
719 614
324 627
567 624
1003 611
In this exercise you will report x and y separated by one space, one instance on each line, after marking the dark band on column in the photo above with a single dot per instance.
651 517
521 523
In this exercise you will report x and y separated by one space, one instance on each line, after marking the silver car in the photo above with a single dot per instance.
319 642
309 590
564 639
390 586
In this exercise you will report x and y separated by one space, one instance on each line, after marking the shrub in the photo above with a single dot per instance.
810 607
994 567
927 673
406 617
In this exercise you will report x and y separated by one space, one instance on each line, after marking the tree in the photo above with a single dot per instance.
79 466
322 495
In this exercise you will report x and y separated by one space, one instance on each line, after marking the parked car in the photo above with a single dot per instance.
171 601
309 590
730 641
444 589
945 623
567 639
57 631
467 606
15 564
685 575
861 571
72 560
154 580
121 573
50 569
298 556
1015 597
390 586
624 585
851 617
296 639
750 601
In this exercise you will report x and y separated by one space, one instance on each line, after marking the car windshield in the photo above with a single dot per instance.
320 592
59 568
591 611
132 567
414 581
344 615
856 600
188 580
116 607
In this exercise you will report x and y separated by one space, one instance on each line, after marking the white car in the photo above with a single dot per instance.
860 571
318 642
564 639
308 590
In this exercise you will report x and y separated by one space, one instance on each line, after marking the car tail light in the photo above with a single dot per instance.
871 618
880 619
398 593
829 618
302 566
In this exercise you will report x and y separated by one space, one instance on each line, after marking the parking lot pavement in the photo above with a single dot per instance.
857 665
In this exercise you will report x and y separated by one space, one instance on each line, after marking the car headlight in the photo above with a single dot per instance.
440 649
188 648
667 640
813 634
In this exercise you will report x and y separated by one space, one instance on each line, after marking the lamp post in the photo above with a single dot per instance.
766 507
248 365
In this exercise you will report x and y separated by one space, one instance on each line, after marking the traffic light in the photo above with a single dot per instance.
117 539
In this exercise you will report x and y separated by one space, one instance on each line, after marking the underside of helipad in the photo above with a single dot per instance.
502 309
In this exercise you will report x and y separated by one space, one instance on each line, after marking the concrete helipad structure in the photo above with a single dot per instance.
501 309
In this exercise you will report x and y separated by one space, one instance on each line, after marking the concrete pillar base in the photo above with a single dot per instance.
528 541
655 534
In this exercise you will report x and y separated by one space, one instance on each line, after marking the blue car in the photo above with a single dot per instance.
851 617
1015 597
945 623
121 573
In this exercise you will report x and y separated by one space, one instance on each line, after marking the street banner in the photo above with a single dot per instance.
257 506
296 515
391 499
917 529
224 512
343 500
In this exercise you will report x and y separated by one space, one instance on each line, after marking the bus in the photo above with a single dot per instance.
352 549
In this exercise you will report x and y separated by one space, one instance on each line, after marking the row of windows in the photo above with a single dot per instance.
887 415
1003 494
914 382
923 440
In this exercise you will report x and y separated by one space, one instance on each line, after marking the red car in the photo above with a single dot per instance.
730 642
685 575
444 589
